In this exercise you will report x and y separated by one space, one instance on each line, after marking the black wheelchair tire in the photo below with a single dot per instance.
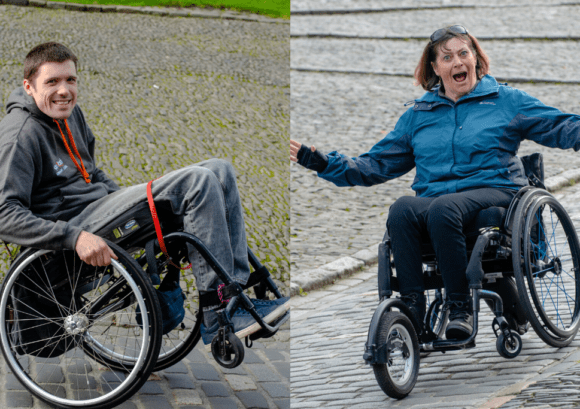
395 327
505 349
524 272
234 347
175 345
119 389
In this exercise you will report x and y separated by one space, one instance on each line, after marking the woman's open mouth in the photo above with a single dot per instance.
460 77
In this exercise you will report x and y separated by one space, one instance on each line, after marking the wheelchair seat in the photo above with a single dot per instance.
490 217
122 229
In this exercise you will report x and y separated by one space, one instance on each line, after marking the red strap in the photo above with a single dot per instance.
158 227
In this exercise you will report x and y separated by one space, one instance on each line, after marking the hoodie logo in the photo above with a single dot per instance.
486 103
59 167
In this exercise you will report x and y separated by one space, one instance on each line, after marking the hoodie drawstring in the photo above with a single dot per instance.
81 168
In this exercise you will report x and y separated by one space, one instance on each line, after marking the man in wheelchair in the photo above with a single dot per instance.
52 195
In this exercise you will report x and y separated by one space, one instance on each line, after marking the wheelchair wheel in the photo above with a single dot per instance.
398 376
548 269
60 316
509 347
179 342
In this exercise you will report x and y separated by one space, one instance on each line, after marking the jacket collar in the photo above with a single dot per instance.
486 86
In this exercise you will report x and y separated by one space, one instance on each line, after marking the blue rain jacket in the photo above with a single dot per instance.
460 146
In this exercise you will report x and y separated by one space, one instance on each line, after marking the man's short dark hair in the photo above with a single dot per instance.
46 52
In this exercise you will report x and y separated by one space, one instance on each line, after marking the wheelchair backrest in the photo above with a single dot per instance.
534 168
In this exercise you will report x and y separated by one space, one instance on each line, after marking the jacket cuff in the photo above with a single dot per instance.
71 237
316 160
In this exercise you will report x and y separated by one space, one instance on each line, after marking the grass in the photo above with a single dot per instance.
273 8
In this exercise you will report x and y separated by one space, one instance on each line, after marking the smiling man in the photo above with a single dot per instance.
41 162
53 196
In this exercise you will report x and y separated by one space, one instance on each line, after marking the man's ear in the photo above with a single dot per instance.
27 86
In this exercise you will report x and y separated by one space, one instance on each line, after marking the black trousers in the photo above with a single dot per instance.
441 219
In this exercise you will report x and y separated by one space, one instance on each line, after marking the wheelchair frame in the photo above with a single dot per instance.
395 333
227 349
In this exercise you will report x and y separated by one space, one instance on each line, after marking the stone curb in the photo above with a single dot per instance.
344 267
511 80
316 12
169 12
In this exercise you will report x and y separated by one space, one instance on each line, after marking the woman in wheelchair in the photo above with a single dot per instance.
462 136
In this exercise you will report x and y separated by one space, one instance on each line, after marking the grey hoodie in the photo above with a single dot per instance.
40 187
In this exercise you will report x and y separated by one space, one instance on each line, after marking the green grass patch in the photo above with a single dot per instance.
272 8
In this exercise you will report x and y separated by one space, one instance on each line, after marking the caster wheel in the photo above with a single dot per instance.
398 376
509 348
233 351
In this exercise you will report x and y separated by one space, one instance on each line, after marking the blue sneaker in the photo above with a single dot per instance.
244 323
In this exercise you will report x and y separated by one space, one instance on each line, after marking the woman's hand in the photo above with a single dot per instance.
294 148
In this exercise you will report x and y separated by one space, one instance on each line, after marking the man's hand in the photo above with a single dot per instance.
93 250
294 148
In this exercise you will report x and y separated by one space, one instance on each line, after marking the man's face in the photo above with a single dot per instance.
54 88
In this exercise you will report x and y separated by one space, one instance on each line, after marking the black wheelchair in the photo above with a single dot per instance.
81 336
525 257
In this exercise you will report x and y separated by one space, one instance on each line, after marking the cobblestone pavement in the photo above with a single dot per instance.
329 329
347 93
200 88
160 93
261 381
352 65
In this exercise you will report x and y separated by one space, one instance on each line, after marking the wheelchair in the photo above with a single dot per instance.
533 242
81 336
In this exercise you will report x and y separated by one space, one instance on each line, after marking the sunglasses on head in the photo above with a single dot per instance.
438 34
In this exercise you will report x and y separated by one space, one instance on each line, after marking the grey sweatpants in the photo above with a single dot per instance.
206 196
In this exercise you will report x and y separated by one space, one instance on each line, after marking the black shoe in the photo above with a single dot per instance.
460 317
416 303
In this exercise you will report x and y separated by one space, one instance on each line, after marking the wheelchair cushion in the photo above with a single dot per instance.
122 229
127 223
490 217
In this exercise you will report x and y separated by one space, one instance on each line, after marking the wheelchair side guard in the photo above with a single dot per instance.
385 269
377 354
474 268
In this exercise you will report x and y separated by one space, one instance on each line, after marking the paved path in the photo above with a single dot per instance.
160 93
329 329
352 65
347 93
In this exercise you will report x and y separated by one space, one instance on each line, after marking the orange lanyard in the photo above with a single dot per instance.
81 168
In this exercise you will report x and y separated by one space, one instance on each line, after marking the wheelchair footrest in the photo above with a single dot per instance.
264 333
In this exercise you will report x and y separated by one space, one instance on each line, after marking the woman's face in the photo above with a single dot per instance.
455 64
